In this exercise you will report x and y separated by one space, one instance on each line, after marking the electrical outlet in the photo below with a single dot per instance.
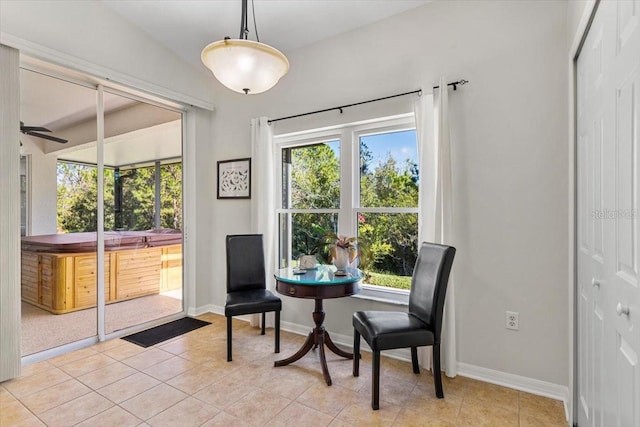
513 320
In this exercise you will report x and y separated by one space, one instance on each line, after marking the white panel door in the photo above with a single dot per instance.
625 79
608 189
592 252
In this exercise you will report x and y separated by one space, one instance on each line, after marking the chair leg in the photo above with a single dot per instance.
229 339
375 381
264 318
437 378
356 353
277 332
414 360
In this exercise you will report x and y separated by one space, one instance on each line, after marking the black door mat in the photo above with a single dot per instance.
165 332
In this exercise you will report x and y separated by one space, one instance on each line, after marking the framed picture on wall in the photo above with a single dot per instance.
234 179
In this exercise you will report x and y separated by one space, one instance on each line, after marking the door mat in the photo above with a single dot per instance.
165 332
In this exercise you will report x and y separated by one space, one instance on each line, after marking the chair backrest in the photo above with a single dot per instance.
429 284
245 262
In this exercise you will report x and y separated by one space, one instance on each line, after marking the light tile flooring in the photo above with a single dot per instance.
188 382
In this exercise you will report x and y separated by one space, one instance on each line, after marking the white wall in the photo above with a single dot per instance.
510 156
509 136
92 36
42 187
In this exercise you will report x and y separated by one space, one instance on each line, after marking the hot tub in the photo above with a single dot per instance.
59 271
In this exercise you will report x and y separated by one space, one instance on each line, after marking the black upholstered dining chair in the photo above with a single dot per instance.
421 326
246 286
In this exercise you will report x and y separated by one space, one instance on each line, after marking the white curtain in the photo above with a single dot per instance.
436 203
263 217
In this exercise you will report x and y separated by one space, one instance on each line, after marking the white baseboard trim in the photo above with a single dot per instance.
517 382
209 308
529 385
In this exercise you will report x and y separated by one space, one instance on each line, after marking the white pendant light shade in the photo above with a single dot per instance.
245 66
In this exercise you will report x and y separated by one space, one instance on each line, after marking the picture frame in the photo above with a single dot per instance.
234 179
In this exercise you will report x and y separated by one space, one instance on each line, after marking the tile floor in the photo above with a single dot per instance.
187 382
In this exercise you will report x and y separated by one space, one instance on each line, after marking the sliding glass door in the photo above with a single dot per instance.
130 250
58 251
142 211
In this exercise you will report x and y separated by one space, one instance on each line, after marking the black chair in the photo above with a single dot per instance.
385 330
246 286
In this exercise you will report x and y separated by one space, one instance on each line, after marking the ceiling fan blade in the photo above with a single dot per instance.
48 137
33 129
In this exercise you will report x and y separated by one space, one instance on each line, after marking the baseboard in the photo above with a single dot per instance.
209 308
529 385
517 382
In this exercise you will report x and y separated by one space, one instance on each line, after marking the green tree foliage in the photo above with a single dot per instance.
171 196
138 198
78 195
315 177
393 237
77 198
315 183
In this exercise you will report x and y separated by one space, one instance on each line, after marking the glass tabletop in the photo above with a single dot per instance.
321 275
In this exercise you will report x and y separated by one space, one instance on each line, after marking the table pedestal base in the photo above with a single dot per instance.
317 339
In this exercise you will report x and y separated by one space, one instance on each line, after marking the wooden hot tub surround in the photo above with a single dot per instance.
59 271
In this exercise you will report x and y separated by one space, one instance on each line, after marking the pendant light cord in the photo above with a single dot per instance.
244 30
244 21
255 25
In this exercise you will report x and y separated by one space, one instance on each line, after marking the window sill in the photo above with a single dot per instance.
384 295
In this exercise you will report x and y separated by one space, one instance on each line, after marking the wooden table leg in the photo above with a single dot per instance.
308 344
334 348
317 338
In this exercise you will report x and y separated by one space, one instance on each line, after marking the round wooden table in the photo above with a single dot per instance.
317 284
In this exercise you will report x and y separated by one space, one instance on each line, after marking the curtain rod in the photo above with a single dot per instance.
419 91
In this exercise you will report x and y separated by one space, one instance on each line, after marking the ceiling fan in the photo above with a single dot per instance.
35 131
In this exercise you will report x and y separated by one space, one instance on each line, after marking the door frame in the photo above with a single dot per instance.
580 36
77 76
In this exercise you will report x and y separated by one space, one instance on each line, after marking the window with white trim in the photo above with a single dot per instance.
357 180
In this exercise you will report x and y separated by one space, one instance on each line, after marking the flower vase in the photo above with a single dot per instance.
340 257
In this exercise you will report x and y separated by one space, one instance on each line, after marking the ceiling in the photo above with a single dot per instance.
187 26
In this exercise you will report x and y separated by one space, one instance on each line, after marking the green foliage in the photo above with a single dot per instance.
78 194
138 198
315 184
390 280
171 196
389 239
315 177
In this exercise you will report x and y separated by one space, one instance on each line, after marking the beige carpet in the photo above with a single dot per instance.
42 330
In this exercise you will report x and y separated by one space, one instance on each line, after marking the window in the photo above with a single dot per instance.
359 180
129 197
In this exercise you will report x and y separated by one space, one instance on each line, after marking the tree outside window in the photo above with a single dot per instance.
78 196
381 203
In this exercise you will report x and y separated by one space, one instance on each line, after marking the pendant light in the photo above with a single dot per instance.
243 65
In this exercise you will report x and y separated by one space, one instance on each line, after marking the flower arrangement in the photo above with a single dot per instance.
345 242
343 250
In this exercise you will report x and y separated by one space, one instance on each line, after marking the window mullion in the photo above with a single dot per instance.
346 217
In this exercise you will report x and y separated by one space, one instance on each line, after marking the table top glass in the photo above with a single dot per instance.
321 275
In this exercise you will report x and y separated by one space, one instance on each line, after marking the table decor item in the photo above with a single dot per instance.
308 262
343 252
